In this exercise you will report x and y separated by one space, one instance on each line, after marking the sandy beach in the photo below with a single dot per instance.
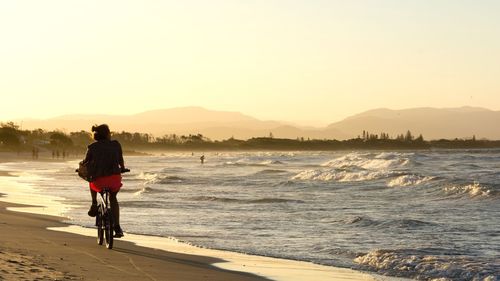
28 251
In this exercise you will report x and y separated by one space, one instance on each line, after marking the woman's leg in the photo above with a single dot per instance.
93 208
93 195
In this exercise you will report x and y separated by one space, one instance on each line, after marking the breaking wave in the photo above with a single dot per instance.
147 176
341 176
154 178
408 180
474 190
355 167
381 161
423 264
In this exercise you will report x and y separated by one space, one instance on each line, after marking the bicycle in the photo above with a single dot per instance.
104 219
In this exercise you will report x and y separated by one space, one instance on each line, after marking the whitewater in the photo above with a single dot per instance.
429 215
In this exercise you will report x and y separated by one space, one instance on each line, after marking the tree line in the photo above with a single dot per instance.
13 138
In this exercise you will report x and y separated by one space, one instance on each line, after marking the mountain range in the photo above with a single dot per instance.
432 123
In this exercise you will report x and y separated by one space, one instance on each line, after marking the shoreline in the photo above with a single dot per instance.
28 250
256 266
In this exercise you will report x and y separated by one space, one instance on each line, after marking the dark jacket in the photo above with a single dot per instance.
106 158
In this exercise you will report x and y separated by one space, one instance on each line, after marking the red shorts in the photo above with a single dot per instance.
113 183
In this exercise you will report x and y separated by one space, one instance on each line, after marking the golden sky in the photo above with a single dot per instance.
310 60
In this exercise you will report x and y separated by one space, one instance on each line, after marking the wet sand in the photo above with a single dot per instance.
28 251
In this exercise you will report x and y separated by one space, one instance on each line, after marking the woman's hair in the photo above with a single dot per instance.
101 132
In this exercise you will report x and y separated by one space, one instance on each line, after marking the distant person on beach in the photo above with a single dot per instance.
202 159
107 158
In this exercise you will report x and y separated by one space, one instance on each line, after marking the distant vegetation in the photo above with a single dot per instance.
13 138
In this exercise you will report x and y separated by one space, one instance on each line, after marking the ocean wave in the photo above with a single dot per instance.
363 221
393 155
143 204
465 165
143 190
213 198
341 176
408 180
474 190
170 180
275 200
147 176
147 190
153 178
270 162
366 162
247 201
246 162
408 224
424 265
270 171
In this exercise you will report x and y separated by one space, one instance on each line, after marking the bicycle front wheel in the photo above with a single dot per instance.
108 230
100 229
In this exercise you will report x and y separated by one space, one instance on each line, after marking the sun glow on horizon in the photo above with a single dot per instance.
282 60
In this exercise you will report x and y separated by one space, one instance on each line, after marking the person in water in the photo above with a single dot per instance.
107 158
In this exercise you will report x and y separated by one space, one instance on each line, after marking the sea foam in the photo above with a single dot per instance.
421 265
408 180
340 176
474 190
364 161
355 167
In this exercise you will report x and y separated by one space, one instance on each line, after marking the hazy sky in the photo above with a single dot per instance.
286 60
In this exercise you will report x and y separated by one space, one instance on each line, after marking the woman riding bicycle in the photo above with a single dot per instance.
107 158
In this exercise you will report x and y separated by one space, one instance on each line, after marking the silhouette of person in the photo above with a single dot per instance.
107 159
202 159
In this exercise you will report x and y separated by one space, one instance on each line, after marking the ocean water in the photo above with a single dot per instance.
429 215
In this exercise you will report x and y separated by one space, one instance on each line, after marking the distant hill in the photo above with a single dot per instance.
432 123
184 121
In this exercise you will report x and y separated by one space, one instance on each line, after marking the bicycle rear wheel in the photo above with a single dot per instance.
108 230
100 229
